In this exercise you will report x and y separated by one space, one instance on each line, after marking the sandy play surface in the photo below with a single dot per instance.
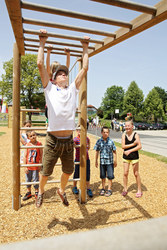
54 219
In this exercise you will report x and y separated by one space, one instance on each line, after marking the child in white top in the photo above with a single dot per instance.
23 138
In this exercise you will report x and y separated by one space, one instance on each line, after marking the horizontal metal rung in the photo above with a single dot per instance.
25 147
48 182
51 34
54 52
57 43
33 110
31 165
33 128
39 165
39 123
39 110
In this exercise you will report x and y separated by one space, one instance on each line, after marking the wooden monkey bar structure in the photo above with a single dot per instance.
148 17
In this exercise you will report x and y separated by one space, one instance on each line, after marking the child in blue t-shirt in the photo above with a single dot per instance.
108 160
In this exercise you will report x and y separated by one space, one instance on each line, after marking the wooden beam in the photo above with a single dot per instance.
67 27
15 15
52 52
140 24
15 128
49 34
54 48
57 43
129 5
67 13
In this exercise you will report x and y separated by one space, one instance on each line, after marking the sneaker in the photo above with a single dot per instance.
39 200
63 198
102 192
89 192
108 193
27 196
75 190
36 195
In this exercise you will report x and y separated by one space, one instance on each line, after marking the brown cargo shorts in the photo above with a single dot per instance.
54 149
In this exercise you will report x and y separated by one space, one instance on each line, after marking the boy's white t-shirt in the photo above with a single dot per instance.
61 105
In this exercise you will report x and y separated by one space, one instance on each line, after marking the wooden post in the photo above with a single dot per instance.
16 128
83 122
10 116
79 97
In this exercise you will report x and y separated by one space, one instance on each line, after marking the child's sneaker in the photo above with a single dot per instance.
89 192
75 190
39 200
27 196
36 195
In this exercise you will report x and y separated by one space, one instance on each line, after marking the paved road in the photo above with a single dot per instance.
152 141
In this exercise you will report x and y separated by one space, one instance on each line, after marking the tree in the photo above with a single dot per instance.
133 100
163 95
31 91
113 99
6 84
153 106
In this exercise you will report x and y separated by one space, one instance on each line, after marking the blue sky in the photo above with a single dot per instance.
141 58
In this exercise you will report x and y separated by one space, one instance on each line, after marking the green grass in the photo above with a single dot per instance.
2 133
152 155
36 118
3 120
156 156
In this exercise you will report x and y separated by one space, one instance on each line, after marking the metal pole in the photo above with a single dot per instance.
15 128
83 123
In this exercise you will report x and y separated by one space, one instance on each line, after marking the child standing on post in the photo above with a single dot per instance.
77 159
32 156
131 144
108 160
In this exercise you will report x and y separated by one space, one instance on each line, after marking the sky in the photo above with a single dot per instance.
141 58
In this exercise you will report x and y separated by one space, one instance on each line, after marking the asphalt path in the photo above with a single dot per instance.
152 141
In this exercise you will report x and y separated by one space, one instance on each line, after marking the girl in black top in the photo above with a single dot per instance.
131 144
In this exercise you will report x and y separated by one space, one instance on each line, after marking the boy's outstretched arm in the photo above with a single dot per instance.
41 154
115 158
67 51
88 144
96 159
40 60
83 71
25 160
49 49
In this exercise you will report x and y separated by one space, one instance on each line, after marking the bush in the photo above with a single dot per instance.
106 123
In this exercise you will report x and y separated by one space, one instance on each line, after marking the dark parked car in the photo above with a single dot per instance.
142 126
135 125
146 125
160 126
165 125
156 126
153 126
